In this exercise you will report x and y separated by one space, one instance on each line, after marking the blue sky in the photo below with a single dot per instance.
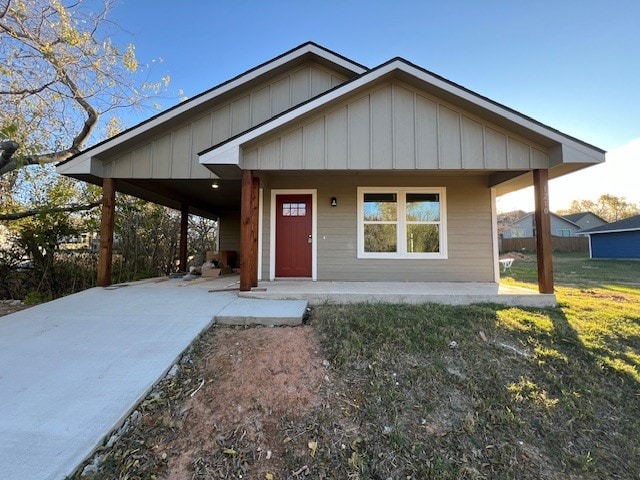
573 65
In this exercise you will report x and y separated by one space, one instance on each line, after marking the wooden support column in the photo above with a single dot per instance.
255 193
246 232
544 248
105 254
184 226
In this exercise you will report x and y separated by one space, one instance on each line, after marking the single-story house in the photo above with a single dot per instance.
324 169
585 220
524 227
619 239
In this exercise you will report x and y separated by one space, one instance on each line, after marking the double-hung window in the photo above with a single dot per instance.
401 223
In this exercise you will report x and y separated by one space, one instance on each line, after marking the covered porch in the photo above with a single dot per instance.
448 293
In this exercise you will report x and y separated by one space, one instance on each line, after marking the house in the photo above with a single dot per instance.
619 239
585 220
324 169
524 227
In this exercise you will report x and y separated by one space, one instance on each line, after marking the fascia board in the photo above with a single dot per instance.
612 231
78 166
228 154
215 92
207 156
510 115
575 151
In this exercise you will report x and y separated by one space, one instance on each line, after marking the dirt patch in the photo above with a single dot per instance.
236 406
604 296
251 379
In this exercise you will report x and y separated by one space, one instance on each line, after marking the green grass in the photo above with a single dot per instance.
552 393
527 394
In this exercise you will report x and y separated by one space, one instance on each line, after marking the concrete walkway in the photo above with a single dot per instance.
71 370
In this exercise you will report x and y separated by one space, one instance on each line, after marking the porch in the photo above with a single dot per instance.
448 293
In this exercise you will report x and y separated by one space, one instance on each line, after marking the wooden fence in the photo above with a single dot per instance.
560 244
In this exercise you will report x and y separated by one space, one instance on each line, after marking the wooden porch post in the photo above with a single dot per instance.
105 254
255 192
246 232
544 248
184 225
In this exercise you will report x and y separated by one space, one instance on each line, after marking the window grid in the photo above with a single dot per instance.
402 224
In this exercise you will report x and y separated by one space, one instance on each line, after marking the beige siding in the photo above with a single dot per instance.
161 160
470 241
395 126
181 153
142 162
229 232
173 154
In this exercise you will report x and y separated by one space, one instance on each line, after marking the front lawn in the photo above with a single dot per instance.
527 393
413 392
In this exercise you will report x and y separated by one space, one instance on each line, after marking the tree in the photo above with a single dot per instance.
608 207
37 240
59 75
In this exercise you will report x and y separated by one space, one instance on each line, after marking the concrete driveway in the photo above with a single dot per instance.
73 369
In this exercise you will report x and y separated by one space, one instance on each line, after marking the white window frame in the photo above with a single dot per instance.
401 231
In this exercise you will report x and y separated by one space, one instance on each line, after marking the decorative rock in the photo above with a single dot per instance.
174 371
136 417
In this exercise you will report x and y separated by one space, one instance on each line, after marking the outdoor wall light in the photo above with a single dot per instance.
215 185
334 202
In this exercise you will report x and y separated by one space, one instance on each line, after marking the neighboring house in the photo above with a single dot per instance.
619 239
524 227
328 170
585 220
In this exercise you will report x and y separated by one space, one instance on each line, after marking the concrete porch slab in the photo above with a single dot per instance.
448 293
250 311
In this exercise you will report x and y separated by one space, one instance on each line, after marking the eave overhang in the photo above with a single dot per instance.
87 161
566 153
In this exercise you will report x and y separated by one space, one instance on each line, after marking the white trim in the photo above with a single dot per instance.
314 229
612 231
226 87
260 217
401 222
590 154
494 234
590 250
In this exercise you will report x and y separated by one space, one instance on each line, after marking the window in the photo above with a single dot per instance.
401 223
518 233
563 232
290 209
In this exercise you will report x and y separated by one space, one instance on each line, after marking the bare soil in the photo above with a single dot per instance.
252 378
236 409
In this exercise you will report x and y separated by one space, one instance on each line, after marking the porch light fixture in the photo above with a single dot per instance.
215 185
334 202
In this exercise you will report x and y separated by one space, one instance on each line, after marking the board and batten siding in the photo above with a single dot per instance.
470 238
395 126
174 153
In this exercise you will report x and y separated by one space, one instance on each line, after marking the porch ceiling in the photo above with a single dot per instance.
203 200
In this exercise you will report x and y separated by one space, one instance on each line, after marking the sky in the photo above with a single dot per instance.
572 65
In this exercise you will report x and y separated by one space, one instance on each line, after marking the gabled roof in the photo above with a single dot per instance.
228 152
306 50
624 225
574 217
560 217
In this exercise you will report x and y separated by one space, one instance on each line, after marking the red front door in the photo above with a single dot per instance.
293 236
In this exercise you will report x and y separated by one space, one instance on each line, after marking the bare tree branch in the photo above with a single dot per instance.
33 212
